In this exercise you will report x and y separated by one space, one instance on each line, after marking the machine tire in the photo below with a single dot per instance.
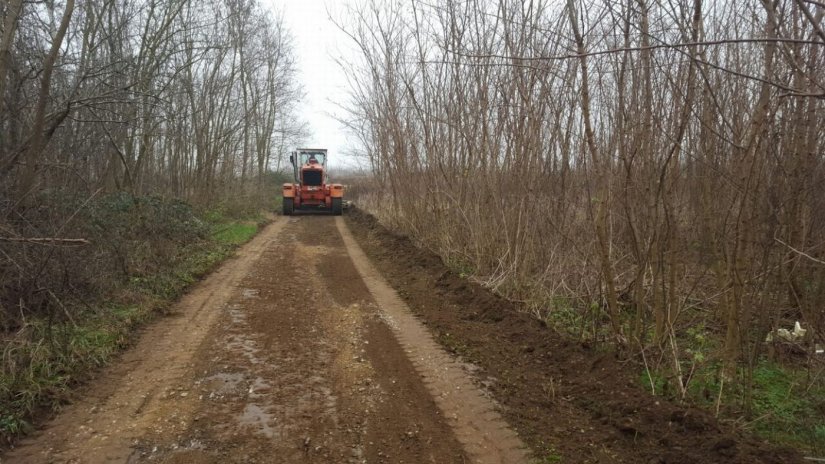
337 206
289 206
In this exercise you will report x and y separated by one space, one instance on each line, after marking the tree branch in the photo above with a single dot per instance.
48 241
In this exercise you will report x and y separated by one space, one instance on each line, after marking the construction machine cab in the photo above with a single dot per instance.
308 166
312 157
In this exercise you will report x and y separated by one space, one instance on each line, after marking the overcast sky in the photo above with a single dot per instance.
317 42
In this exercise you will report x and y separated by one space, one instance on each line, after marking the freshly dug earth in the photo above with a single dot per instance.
570 403
301 369
282 355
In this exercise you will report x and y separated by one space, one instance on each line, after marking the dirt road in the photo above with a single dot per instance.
296 350
299 350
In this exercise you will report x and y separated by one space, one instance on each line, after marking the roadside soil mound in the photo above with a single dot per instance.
565 399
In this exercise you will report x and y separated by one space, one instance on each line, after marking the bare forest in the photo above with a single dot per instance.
648 174
168 97
636 184
125 127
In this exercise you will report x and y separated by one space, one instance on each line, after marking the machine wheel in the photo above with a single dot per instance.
289 206
337 206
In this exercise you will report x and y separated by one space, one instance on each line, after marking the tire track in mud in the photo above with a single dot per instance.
263 373
282 355
300 368
484 434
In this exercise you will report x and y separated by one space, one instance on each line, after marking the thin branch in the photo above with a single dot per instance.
800 252
811 19
789 91
48 241
639 49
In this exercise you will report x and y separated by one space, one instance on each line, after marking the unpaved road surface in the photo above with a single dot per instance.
571 402
326 340
297 351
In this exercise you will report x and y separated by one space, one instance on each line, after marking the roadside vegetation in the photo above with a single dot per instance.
140 142
144 253
645 176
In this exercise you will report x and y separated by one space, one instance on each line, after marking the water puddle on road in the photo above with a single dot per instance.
257 415
241 342
251 293
223 383
235 313
245 346
258 419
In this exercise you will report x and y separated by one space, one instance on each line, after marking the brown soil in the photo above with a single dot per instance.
282 355
145 388
296 369
299 350
479 427
569 402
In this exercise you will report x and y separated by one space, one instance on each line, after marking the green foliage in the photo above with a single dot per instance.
699 343
461 267
819 436
51 359
234 233
654 381
575 318
783 406
785 409
11 425
551 458
781 402
565 319
547 454
229 230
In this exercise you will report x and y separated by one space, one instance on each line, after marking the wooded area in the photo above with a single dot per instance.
173 97
128 129
647 173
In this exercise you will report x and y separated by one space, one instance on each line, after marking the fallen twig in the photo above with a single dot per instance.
48 241
800 252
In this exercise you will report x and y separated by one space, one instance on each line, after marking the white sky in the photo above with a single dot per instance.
317 42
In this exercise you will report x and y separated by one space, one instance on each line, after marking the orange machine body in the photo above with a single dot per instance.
311 189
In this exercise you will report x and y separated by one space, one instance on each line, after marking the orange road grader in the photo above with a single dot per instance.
311 190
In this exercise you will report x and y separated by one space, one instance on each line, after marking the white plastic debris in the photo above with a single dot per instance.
797 334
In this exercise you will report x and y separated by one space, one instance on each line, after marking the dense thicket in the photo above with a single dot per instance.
637 167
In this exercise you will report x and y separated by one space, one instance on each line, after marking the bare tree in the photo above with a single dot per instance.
645 165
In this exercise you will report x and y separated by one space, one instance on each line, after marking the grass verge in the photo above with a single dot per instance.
48 356
784 404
